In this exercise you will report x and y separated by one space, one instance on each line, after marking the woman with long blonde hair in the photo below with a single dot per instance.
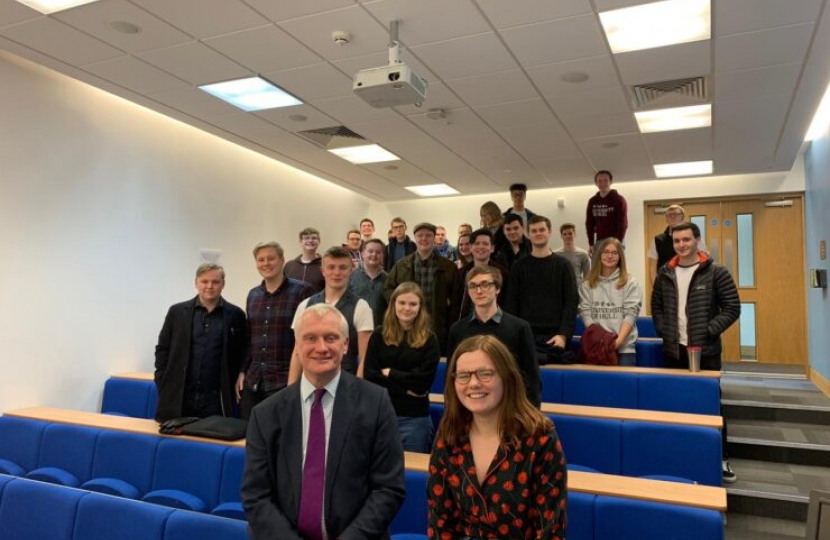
403 356
611 298
497 469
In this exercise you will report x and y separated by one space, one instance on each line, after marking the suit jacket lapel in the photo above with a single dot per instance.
341 419
292 438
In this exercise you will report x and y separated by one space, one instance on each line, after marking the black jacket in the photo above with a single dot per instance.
712 306
408 248
173 357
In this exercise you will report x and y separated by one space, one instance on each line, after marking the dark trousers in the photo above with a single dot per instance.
201 404
251 397
711 362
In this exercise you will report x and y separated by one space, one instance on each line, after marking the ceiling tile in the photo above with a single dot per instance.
312 82
556 41
60 41
735 152
195 102
196 63
757 82
754 115
590 103
262 49
590 127
565 172
390 131
736 16
367 36
418 21
281 11
135 75
314 119
520 113
378 59
608 5
600 70
781 45
506 14
401 173
348 109
665 63
677 146
12 12
466 57
205 18
623 160
512 85
540 142
522 135
94 19
438 97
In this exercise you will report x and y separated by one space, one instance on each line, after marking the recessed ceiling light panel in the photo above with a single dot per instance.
821 121
695 116
251 94
53 6
688 168
433 190
657 24
367 153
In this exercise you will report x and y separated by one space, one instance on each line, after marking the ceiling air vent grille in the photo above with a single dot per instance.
690 91
333 137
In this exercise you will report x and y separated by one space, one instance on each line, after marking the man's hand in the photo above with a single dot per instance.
240 384
557 341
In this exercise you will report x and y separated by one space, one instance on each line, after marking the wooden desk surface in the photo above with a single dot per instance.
706 374
624 486
659 417
137 375
599 484
107 421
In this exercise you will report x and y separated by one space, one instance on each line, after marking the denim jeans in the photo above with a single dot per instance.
628 359
416 433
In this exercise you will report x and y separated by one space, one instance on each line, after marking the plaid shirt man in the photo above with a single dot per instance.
270 336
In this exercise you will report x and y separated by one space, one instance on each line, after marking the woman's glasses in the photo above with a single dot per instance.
483 375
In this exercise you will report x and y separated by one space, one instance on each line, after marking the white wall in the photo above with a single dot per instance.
104 208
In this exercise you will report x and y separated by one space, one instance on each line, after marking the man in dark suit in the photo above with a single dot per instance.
200 350
361 484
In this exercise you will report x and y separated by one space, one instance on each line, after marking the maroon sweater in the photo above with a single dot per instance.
606 217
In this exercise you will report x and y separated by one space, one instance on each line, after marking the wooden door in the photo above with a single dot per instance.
761 242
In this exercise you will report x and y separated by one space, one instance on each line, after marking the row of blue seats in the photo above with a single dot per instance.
690 454
183 474
650 391
32 510
590 517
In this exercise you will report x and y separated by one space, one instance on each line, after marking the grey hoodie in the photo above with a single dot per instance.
609 306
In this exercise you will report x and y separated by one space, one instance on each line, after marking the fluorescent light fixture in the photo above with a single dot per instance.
821 121
656 24
688 168
433 190
251 94
695 116
53 6
367 153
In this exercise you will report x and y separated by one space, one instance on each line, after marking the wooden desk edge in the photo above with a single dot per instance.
135 375
600 484
141 426
637 415
706 374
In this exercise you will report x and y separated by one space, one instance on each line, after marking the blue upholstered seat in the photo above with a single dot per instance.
645 328
630 519
19 444
591 442
189 526
230 503
581 515
600 389
66 454
678 393
127 397
691 452
123 464
187 475
440 378
104 517
38 511
412 516
551 385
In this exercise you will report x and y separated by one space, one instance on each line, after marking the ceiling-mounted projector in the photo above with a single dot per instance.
391 85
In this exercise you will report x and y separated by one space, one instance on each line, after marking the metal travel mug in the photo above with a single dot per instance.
694 358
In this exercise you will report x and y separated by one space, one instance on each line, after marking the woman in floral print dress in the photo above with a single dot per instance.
497 468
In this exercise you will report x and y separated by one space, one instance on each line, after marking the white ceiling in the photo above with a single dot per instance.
495 66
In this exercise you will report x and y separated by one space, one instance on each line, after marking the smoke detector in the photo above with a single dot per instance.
341 37
436 114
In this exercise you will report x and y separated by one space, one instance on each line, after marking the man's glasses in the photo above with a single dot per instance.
310 237
483 286
611 253
483 375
